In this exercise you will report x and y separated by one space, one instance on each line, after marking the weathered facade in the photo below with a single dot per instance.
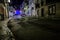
1 11
46 9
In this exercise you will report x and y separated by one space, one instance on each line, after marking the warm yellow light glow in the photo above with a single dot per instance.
9 1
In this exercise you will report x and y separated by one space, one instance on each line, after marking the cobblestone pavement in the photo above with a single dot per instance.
30 30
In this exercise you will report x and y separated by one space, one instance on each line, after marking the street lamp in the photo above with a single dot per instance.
6 1
9 1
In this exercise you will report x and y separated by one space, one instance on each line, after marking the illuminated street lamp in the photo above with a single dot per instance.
9 1
6 1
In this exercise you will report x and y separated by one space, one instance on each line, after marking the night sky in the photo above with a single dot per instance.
16 3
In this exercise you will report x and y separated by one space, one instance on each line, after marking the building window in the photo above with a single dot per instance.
42 2
51 1
42 12
37 4
49 10
52 10
38 12
1 17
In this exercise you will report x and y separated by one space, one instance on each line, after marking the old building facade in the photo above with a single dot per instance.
45 8
3 10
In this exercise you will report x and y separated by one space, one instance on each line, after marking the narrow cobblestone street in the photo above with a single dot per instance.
29 20
35 31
